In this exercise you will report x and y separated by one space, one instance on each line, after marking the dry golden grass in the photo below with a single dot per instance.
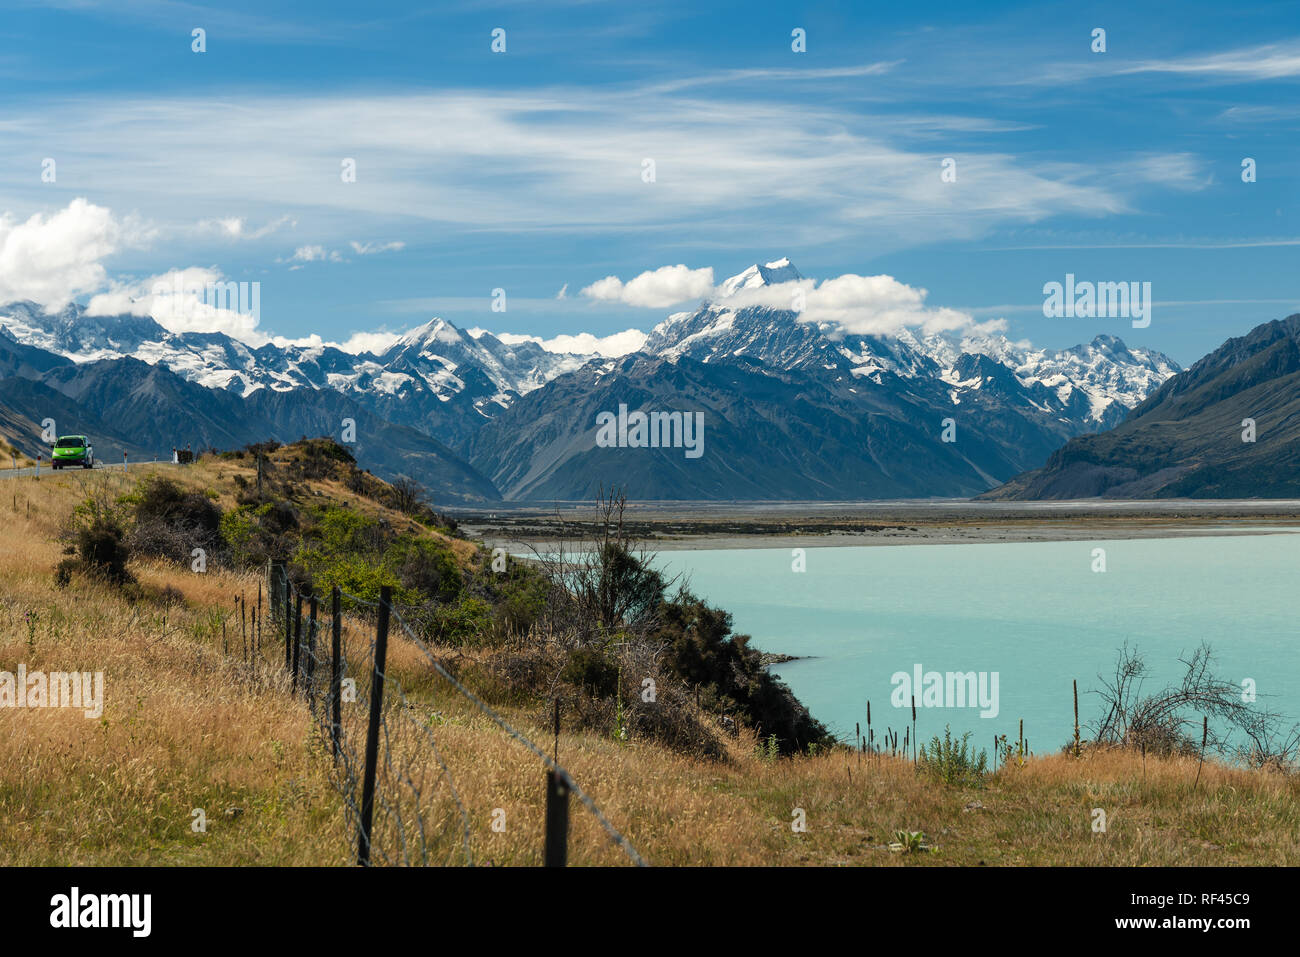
181 729
186 726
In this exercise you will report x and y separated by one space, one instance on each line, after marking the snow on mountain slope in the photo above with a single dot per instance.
1109 377
768 274
429 355
438 372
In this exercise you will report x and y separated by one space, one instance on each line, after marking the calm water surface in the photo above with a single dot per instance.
1035 613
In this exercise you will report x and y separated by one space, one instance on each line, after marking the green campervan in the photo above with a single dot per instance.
73 450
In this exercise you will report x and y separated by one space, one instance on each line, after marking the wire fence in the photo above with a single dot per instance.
399 797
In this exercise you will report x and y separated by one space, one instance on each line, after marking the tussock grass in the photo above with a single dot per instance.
186 727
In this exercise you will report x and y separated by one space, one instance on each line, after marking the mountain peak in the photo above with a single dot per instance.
767 274
435 330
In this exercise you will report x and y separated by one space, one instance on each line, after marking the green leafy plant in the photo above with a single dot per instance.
954 762
909 842
238 533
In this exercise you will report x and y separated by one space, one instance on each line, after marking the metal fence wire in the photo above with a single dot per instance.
387 767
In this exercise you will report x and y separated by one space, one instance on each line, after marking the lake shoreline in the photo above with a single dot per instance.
945 533
689 526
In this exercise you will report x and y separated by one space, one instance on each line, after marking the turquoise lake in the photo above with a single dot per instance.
1035 613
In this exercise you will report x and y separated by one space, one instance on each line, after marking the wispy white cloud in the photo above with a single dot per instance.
371 248
554 160
313 254
1270 61
1190 244
774 74
236 227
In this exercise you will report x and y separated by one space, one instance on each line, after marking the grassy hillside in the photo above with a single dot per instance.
188 724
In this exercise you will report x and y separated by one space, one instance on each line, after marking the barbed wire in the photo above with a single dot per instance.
401 784
501 722
403 808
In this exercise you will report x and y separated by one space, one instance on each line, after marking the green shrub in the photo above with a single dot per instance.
953 762
356 574
468 621
239 535
590 669
426 566
102 550
521 601
701 649
170 519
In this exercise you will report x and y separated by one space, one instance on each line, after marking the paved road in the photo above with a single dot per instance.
99 466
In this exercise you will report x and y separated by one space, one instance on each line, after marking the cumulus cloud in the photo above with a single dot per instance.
863 305
375 342
851 304
52 259
584 343
655 288
196 299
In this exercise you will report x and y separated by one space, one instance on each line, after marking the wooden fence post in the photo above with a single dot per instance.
273 589
372 733
297 643
311 656
258 636
557 820
336 670
288 623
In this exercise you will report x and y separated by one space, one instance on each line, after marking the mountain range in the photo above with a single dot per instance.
791 408
1228 427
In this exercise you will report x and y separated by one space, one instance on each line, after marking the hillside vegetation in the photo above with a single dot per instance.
97 574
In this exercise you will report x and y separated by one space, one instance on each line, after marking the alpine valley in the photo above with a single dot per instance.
792 409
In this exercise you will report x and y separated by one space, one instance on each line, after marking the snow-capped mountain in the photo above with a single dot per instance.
1101 380
1184 439
435 351
880 396
768 274
437 378
431 354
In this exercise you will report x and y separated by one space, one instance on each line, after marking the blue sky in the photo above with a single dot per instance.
523 170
